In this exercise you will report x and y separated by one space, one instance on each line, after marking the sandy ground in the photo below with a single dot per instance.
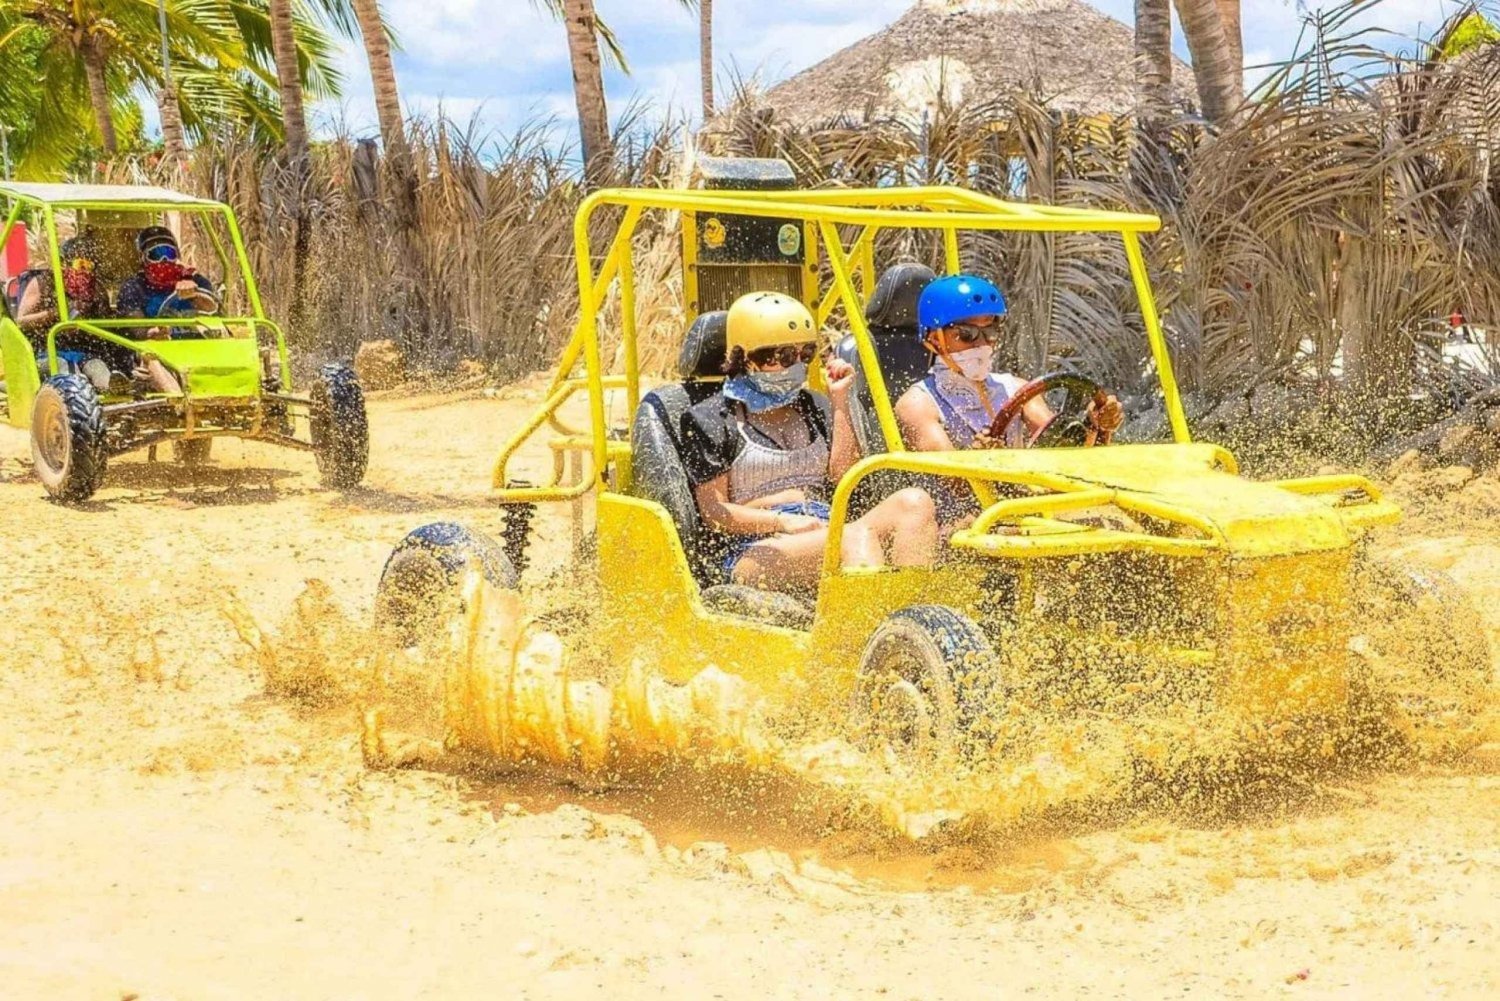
167 830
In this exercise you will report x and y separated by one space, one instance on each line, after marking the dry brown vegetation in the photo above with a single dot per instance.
1352 200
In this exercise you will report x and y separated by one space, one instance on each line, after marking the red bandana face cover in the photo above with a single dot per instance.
78 284
165 274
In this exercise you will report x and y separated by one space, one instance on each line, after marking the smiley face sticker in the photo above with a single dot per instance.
713 233
789 239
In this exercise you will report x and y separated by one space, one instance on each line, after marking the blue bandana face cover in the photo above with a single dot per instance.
760 391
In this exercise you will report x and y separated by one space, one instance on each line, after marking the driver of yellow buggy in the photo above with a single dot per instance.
962 402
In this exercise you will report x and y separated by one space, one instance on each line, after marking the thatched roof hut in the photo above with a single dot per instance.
1076 57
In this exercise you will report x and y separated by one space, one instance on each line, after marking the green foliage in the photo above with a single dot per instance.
219 55
1467 33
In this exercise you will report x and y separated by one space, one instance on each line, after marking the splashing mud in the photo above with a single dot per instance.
509 690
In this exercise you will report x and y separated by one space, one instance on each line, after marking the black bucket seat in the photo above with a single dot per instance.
891 315
656 442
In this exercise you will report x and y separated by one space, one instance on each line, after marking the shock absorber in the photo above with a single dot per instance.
517 528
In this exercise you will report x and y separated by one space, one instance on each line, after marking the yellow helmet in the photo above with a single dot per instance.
766 319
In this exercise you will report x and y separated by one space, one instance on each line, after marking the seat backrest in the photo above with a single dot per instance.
891 315
658 472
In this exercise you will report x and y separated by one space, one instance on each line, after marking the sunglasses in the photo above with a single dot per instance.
785 355
80 264
161 252
967 333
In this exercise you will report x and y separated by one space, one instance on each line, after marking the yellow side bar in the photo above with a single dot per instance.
866 251
1154 334
950 251
627 325
555 399
606 275
869 361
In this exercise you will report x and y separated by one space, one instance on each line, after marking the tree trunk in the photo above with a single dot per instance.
294 127
1153 59
706 55
588 85
289 84
173 140
382 76
1220 81
93 67
1229 14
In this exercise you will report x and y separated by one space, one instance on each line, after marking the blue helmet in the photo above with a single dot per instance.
952 298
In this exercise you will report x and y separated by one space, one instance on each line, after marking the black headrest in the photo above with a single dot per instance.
702 354
894 303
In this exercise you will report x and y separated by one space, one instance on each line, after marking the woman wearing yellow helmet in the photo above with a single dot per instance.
763 452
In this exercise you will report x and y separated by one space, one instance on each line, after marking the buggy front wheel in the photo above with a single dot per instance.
340 429
67 437
926 687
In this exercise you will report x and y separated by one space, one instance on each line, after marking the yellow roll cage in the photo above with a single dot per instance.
946 209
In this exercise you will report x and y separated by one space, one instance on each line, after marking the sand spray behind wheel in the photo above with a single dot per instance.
522 680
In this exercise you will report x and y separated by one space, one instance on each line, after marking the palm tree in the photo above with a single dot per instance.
585 33
1220 78
90 56
284 51
1153 59
376 35
706 54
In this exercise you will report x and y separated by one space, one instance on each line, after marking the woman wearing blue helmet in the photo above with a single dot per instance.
956 405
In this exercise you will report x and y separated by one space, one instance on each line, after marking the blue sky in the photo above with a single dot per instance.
507 63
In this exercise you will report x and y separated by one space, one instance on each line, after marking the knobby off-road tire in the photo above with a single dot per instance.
67 438
340 428
192 452
422 585
927 688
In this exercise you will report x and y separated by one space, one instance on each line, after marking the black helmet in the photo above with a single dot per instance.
83 245
153 236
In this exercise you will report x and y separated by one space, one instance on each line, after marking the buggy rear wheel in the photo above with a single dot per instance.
67 438
422 584
926 687
339 426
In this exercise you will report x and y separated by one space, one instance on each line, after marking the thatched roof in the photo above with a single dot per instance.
976 50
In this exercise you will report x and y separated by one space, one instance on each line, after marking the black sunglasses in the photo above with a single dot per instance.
968 333
785 355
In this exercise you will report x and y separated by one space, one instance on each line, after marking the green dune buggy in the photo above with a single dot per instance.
73 379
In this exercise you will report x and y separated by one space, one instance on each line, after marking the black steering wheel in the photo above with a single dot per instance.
1069 425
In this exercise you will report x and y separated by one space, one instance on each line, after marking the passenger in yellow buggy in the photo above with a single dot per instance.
963 403
762 453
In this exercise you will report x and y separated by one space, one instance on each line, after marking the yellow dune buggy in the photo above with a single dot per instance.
69 381
1245 589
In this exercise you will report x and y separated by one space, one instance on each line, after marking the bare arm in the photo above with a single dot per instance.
29 311
843 451
921 423
723 514
1036 415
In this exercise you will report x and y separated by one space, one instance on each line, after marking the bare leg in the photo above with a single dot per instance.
905 527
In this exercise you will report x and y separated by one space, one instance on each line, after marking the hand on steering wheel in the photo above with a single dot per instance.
1073 424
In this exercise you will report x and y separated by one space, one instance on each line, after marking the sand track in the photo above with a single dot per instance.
168 830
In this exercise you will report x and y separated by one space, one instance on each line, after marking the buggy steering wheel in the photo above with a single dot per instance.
1068 426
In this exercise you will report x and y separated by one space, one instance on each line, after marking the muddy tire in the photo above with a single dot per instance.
67 438
340 428
422 584
192 452
927 688
1426 657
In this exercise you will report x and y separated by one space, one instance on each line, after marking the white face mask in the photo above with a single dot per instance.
975 362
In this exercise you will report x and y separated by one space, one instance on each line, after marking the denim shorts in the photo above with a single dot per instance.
739 543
